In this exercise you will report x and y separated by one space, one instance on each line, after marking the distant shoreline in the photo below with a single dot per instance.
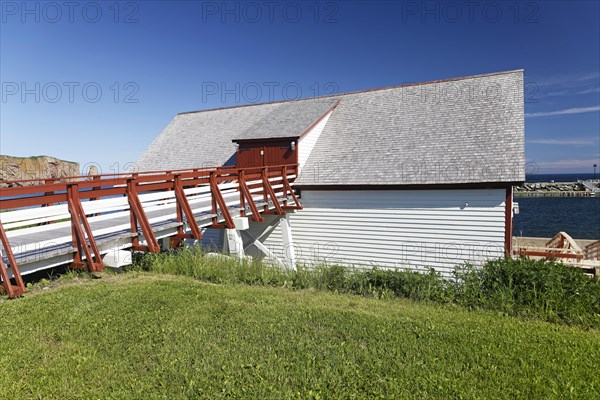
567 177
587 188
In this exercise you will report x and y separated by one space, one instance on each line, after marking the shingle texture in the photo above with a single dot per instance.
204 138
467 130
288 119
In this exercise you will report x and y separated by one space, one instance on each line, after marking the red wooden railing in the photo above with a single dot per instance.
72 190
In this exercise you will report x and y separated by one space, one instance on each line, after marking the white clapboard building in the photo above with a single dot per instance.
415 176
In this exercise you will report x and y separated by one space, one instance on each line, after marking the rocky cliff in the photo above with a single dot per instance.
40 167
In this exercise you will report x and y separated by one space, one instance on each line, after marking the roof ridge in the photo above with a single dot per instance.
359 91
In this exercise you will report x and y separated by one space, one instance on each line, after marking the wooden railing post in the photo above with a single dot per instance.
264 191
138 216
246 195
80 243
217 200
240 178
284 189
47 181
288 188
271 193
95 178
11 290
183 208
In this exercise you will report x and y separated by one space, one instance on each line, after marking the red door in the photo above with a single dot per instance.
279 153
249 155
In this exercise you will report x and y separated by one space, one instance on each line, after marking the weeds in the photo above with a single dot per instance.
528 288
533 288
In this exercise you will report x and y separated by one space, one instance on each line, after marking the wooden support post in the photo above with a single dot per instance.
240 176
11 290
80 227
245 194
288 188
284 188
217 200
269 190
135 240
95 178
265 194
213 201
47 181
183 207
138 216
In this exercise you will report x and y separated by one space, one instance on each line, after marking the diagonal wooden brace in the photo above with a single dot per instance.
80 227
271 193
246 196
184 205
288 188
217 200
138 216
11 290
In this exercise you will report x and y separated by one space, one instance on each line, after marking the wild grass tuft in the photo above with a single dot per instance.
213 267
534 288
523 287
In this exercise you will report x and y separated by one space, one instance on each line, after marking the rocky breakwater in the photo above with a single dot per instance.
36 168
554 189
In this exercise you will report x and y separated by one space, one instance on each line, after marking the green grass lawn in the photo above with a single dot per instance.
144 336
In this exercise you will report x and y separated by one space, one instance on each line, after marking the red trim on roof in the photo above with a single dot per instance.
320 119
267 139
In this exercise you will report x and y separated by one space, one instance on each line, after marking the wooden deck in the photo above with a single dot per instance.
584 254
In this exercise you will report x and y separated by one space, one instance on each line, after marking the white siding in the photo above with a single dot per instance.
212 239
410 229
307 142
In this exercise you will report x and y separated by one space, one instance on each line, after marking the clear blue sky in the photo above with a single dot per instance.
153 59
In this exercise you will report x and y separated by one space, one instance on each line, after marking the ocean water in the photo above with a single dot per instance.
546 216
560 177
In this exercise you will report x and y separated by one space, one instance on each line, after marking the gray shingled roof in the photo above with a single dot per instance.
204 138
288 119
465 130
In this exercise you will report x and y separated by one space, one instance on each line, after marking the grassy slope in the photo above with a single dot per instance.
145 336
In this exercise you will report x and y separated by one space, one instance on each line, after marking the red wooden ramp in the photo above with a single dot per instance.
79 219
